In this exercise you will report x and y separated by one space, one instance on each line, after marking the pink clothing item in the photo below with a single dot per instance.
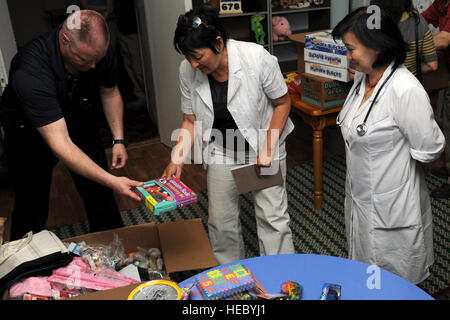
78 274
34 285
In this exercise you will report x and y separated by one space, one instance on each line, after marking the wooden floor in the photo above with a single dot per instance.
147 160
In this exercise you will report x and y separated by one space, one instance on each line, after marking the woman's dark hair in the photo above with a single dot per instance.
395 7
189 35
384 37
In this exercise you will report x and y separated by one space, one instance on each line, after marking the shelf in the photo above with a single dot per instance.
245 14
301 20
280 43
288 10
287 53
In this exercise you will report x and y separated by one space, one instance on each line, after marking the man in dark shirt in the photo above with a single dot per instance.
47 110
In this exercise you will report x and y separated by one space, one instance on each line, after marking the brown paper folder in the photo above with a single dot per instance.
247 180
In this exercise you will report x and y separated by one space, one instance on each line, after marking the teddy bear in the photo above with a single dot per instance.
280 28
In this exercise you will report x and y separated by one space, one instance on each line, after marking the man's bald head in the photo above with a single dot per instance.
84 40
88 27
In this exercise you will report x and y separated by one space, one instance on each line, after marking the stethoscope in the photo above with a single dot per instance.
361 129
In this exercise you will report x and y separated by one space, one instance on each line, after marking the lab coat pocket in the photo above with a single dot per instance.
401 251
397 208
381 135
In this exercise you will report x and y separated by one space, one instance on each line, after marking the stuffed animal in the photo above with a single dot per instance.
280 28
257 27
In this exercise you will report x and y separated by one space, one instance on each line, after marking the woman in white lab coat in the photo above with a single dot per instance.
388 127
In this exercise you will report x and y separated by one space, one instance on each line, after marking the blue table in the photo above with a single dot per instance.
359 281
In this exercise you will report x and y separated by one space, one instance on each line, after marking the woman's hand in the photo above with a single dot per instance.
263 161
172 169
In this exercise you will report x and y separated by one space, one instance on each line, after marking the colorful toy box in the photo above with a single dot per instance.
225 282
162 195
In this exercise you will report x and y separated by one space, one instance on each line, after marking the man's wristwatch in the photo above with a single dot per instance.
120 141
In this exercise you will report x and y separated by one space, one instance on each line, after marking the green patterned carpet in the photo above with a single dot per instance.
314 233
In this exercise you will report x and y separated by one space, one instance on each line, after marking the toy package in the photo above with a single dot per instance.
225 283
162 195
293 82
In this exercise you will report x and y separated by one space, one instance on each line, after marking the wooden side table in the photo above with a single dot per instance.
318 119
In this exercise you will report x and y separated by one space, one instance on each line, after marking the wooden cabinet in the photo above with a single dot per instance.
311 18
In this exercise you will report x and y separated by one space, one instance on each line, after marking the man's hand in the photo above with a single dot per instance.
125 186
119 156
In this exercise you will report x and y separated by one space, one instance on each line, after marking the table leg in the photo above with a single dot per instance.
317 161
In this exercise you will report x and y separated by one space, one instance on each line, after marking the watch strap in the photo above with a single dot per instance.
120 141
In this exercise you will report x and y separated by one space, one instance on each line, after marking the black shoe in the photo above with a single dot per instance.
442 192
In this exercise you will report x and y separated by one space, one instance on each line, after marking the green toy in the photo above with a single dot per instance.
258 28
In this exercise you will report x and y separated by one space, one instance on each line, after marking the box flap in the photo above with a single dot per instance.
185 246
120 293
301 37
142 235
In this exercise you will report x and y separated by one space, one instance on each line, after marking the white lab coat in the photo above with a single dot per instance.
254 80
387 206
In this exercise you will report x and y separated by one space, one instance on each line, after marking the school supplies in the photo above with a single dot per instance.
162 195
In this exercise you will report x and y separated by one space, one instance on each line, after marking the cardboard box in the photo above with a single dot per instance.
323 41
323 92
300 39
329 59
327 71
184 246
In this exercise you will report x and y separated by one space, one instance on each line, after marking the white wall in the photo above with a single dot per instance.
30 19
360 3
339 9
7 41
162 79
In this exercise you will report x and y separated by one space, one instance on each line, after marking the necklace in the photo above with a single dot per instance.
370 85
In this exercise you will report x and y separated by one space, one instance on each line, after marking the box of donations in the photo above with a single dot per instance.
323 41
323 92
